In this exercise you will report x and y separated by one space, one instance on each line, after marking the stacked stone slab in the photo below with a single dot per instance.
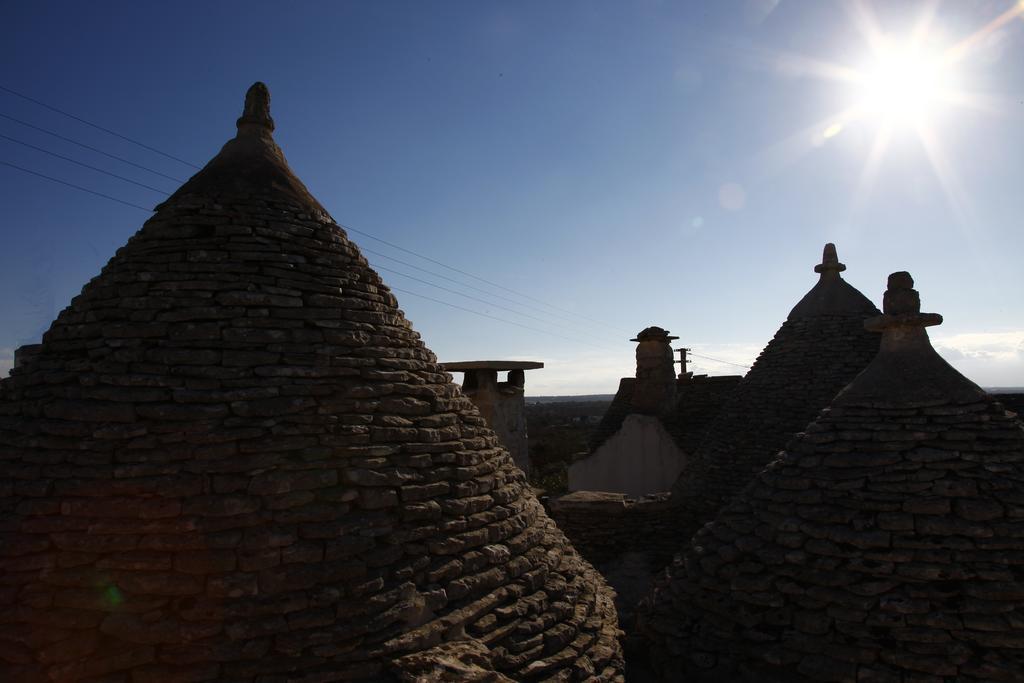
232 458
885 544
819 349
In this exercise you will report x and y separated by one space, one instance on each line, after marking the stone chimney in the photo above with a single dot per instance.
502 404
655 386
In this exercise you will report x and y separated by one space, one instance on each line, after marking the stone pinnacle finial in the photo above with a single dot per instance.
907 369
900 296
901 306
829 261
257 108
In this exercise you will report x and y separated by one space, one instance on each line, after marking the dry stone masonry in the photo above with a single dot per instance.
885 544
233 459
819 349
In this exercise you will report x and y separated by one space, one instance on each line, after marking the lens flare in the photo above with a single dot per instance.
113 595
832 131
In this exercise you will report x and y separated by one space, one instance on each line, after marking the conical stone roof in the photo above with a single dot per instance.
885 544
819 349
233 459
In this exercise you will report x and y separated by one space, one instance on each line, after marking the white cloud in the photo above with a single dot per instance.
991 359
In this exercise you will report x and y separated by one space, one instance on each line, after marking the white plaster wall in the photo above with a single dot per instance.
638 459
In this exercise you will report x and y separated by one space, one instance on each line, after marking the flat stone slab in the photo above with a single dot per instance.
500 365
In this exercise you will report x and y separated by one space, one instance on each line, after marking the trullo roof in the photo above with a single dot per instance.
819 349
885 544
234 459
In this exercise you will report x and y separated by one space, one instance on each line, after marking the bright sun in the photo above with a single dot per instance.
906 87
904 84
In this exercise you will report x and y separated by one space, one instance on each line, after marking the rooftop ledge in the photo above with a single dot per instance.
500 365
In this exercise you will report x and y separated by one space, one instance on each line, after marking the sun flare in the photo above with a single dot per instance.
908 87
904 84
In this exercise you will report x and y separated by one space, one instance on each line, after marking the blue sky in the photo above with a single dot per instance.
625 163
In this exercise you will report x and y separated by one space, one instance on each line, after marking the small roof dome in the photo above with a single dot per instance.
832 295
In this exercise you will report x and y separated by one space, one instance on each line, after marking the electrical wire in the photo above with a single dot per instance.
77 187
492 317
96 126
396 289
467 296
351 229
449 279
469 310
719 360
84 165
346 227
475 277
469 286
90 148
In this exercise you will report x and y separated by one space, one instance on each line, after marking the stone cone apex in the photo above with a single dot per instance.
817 351
232 458
251 164
884 543
832 295
907 368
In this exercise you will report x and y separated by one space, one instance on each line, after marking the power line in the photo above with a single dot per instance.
492 317
467 296
351 229
719 360
475 277
472 287
96 126
366 234
77 187
75 161
367 250
397 289
469 310
449 279
89 147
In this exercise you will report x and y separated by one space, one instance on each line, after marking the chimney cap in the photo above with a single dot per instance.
653 333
